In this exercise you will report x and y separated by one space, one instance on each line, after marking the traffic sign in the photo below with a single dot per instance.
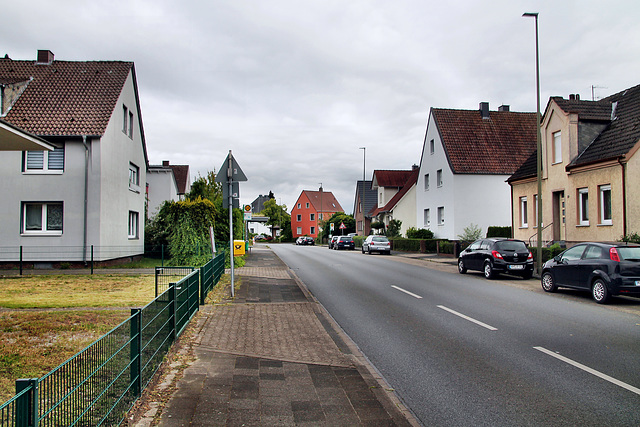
342 226
230 171
247 208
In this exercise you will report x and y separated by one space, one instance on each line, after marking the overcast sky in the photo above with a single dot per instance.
295 87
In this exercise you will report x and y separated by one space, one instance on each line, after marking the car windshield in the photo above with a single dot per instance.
629 253
511 245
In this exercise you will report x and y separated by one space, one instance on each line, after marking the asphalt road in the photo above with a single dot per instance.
462 350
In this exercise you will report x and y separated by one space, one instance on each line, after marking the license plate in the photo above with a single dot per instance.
516 267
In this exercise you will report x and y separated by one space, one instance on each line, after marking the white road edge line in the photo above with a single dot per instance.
589 370
406 292
470 319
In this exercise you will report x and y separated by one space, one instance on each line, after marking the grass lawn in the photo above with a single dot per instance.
33 342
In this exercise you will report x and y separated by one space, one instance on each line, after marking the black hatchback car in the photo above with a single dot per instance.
497 255
604 269
344 242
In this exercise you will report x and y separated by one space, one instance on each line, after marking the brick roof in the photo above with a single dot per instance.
181 172
329 201
495 145
390 178
64 98
411 180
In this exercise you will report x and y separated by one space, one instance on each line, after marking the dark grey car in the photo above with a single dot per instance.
497 255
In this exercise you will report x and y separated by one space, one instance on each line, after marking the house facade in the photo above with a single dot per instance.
161 187
370 196
590 172
311 208
396 197
467 156
88 191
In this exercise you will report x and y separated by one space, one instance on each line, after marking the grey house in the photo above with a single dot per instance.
88 191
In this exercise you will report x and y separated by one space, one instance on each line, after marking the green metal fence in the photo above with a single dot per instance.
167 275
99 385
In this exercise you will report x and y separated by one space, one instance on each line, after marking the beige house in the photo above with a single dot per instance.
590 172
396 197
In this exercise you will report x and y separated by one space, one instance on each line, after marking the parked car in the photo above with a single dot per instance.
305 240
332 241
344 242
493 256
376 244
299 240
604 269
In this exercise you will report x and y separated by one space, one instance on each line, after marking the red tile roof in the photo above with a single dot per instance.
495 145
411 180
329 201
64 98
390 178
181 172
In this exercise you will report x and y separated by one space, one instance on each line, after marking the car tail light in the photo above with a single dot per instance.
496 254
613 254
530 256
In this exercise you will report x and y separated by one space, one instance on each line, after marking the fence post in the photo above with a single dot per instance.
91 259
202 284
173 311
162 252
21 260
134 351
27 405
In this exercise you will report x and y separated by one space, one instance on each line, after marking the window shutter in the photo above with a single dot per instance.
56 159
35 159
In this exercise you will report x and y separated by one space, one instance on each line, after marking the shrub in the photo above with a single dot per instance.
630 238
470 233
446 247
394 228
421 233
495 231
406 245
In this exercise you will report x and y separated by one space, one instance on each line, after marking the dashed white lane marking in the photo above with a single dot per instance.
470 319
406 292
590 370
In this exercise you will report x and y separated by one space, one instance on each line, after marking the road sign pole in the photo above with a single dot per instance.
231 256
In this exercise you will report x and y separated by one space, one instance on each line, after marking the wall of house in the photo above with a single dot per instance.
162 187
633 199
405 211
116 198
305 222
528 232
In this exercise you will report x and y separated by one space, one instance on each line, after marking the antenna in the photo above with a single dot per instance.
593 91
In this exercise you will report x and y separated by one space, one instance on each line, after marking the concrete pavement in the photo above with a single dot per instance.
275 357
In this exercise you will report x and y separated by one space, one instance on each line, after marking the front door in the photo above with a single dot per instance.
559 218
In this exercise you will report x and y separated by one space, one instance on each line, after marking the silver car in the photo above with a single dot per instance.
376 244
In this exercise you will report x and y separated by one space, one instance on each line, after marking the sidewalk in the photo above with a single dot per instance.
274 357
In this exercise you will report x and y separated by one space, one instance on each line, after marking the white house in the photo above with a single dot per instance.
161 186
90 190
396 197
467 157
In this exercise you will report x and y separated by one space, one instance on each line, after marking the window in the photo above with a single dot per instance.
427 217
359 225
131 124
125 118
524 220
313 230
299 217
134 174
583 206
307 205
426 182
51 162
605 204
133 225
312 217
439 177
299 206
594 252
432 146
42 218
321 216
441 215
557 147
299 231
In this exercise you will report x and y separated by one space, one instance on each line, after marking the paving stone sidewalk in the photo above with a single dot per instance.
273 358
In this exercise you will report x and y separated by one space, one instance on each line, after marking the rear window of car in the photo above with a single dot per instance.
511 245
380 239
629 253
346 239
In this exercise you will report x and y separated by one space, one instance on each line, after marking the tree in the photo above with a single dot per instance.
278 216
470 233
205 187
337 219
393 230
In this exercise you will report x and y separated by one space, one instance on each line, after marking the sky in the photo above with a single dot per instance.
295 88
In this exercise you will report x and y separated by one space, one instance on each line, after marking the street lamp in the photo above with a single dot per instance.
364 169
539 147
319 213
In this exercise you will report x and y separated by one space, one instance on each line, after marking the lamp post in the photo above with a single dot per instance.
364 169
539 147
319 214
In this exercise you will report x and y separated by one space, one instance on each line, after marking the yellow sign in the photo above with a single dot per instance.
238 247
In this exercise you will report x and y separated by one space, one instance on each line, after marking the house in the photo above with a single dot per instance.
183 178
396 197
310 208
467 156
590 172
13 138
258 203
89 190
363 221
161 186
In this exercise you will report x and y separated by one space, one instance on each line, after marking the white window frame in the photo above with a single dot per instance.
426 182
307 205
125 118
299 206
557 147
440 215
439 177
133 225
299 231
134 178
432 146
299 217
313 230
46 157
583 206
601 190
535 211
312 217
44 223
427 217
524 219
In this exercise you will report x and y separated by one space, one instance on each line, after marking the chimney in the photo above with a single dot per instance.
44 57
574 97
503 108
165 163
415 167
320 189
484 110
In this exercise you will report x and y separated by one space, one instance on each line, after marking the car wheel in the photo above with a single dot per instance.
461 268
369 251
488 270
600 292
363 249
548 284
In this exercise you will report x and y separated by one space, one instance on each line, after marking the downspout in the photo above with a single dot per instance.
624 197
86 196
